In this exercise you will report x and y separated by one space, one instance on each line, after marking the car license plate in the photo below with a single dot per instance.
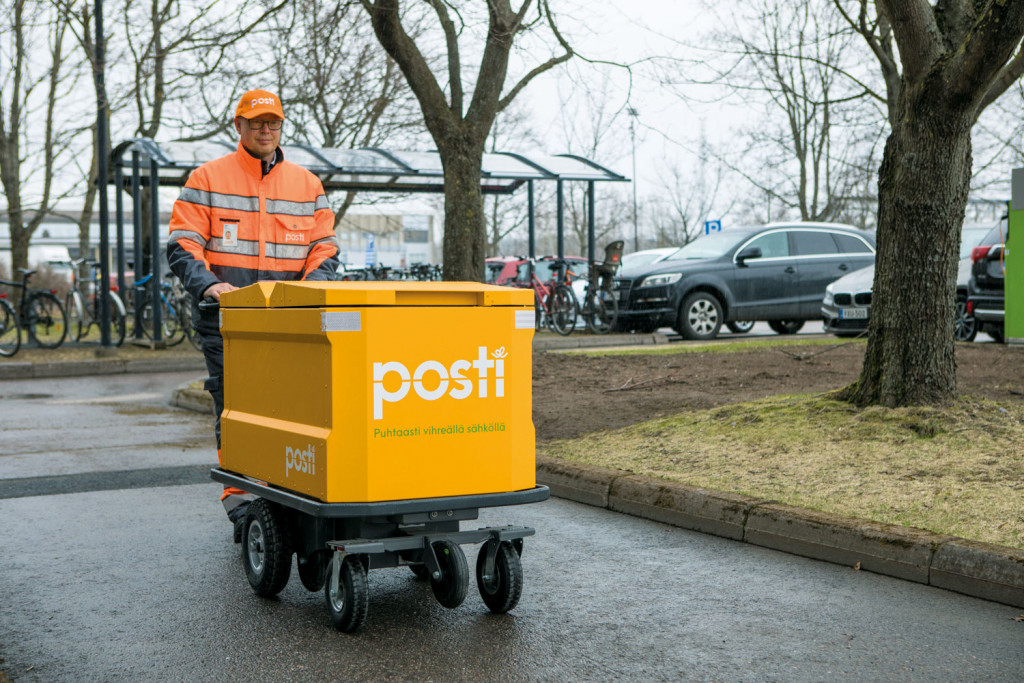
853 313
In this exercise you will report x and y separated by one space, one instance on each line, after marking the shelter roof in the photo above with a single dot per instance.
368 168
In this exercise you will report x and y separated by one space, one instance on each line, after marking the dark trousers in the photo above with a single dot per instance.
213 351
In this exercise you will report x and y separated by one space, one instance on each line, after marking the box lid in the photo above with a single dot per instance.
349 294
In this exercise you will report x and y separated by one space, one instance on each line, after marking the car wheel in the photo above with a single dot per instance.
966 328
786 326
740 326
700 316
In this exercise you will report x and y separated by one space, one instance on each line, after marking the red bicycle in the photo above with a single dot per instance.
554 301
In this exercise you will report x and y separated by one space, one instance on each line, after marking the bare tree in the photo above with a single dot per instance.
508 214
591 126
342 92
801 56
33 147
955 58
460 131
689 198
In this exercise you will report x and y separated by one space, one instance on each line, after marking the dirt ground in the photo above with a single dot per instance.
575 393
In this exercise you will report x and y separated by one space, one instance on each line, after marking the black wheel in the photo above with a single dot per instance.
347 594
966 327
313 569
451 589
118 320
700 316
172 333
740 326
786 326
47 322
539 321
78 326
562 309
10 331
265 551
502 589
601 311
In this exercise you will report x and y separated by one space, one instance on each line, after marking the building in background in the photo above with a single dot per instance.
400 239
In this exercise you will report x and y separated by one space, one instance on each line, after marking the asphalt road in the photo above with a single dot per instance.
117 563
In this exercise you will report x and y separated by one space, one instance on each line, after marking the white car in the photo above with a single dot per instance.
846 307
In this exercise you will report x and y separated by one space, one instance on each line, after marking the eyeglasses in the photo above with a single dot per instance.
272 125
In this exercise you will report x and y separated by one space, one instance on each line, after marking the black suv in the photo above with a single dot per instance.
776 273
985 296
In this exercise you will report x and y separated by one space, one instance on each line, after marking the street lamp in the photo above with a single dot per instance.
633 113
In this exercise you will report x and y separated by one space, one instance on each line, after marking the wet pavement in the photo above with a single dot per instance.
105 578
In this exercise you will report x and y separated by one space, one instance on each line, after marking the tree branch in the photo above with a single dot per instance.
454 66
546 66
917 34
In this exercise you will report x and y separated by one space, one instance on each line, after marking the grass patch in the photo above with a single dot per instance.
722 346
956 470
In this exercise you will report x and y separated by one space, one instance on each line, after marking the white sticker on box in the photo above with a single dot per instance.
526 320
347 321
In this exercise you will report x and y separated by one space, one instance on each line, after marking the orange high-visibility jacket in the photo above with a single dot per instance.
233 224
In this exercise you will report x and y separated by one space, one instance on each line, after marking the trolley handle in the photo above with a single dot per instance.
209 304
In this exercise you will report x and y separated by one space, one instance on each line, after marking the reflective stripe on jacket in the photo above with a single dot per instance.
233 224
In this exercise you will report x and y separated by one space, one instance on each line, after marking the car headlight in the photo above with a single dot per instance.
827 301
661 280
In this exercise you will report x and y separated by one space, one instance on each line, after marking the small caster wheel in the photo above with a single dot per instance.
265 551
450 590
502 587
347 594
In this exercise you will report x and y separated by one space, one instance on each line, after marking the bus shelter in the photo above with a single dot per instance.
142 162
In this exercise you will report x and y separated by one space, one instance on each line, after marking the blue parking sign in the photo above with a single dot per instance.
371 251
712 226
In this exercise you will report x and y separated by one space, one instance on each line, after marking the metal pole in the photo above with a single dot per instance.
533 222
154 248
633 113
591 247
137 298
561 221
119 204
101 179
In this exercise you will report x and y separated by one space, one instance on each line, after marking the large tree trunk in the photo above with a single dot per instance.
465 238
923 184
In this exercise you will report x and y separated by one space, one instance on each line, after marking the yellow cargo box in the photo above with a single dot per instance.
377 391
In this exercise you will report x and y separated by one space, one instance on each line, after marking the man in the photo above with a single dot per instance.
245 217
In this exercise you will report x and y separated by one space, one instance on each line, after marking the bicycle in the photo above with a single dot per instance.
10 329
39 312
82 316
182 302
554 301
600 305
171 318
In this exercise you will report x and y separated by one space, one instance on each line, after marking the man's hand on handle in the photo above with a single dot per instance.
214 291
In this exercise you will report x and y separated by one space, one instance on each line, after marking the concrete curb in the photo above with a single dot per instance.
188 398
980 570
98 366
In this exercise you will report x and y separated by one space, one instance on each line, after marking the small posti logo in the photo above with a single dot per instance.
261 100
455 380
295 237
299 460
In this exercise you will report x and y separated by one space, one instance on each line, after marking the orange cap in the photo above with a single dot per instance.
256 102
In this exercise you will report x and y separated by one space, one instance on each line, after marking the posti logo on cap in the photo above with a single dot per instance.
256 102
